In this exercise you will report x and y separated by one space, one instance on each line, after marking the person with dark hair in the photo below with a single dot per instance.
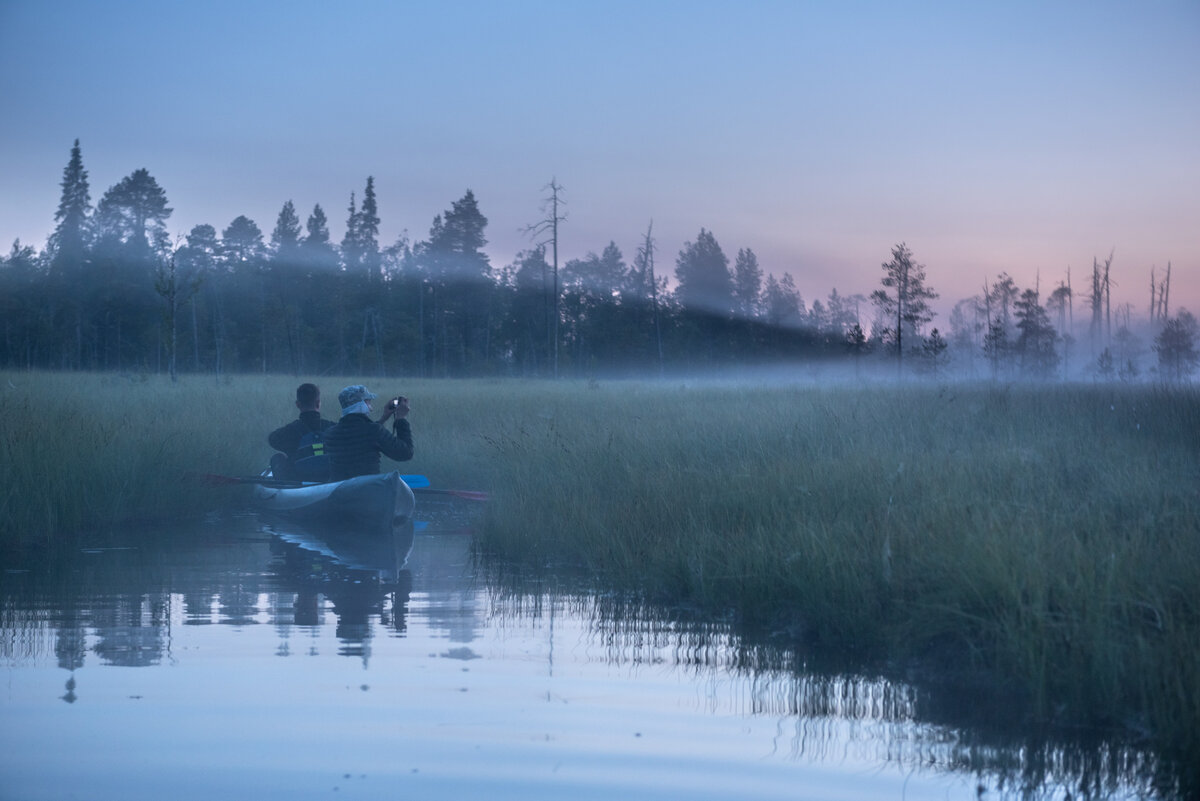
301 442
355 444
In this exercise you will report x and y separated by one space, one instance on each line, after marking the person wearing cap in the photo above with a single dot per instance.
300 442
355 444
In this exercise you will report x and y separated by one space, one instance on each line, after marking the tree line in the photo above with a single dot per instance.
112 291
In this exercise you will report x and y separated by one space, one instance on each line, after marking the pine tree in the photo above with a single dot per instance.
856 342
747 284
120 311
134 213
317 253
702 270
933 352
1002 296
1176 347
996 346
242 245
908 303
197 260
782 302
1036 338
527 319
842 312
458 240
460 279
24 319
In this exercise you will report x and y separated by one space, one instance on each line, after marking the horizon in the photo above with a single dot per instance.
1016 139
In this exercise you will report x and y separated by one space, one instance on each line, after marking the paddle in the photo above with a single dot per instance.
467 495
418 484
212 478
219 480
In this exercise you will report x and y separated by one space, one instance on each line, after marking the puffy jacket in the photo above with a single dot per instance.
355 443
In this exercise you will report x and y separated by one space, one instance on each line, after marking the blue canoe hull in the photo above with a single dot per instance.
374 503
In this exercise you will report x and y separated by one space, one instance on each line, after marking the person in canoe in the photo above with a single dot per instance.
355 444
300 442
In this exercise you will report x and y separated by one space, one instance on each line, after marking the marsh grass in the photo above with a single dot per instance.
83 455
1048 536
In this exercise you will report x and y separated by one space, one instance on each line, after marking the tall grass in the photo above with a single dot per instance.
1049 535
85 454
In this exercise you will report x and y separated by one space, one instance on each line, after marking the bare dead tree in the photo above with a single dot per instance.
1071 298
1094 297
646 252
1166 294
1108 296
545 232
1153 296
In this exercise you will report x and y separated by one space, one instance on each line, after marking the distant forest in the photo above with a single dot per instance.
112 292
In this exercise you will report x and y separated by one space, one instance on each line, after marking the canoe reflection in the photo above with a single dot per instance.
363 575
381 553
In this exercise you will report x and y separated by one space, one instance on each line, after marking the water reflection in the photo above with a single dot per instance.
310 595
118 606
825 712
359 580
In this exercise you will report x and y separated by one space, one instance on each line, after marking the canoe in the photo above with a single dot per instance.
373 503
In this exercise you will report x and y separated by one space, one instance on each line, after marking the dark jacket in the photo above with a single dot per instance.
287 438
299 459
354 445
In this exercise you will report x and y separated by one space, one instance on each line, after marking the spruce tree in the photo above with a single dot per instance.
368 232
72 234
351 242
285 239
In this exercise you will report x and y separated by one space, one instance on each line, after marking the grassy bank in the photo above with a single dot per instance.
1048 535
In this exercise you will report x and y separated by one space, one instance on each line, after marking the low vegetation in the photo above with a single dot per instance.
1044 534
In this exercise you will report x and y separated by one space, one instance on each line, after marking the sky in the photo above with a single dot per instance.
1018 137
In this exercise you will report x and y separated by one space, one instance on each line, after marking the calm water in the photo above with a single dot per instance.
237 663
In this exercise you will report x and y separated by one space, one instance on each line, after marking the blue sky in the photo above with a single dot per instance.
1025 137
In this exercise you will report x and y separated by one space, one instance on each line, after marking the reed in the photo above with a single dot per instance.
86 455
1047 534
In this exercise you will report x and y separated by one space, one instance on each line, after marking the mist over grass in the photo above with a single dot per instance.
1047 535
